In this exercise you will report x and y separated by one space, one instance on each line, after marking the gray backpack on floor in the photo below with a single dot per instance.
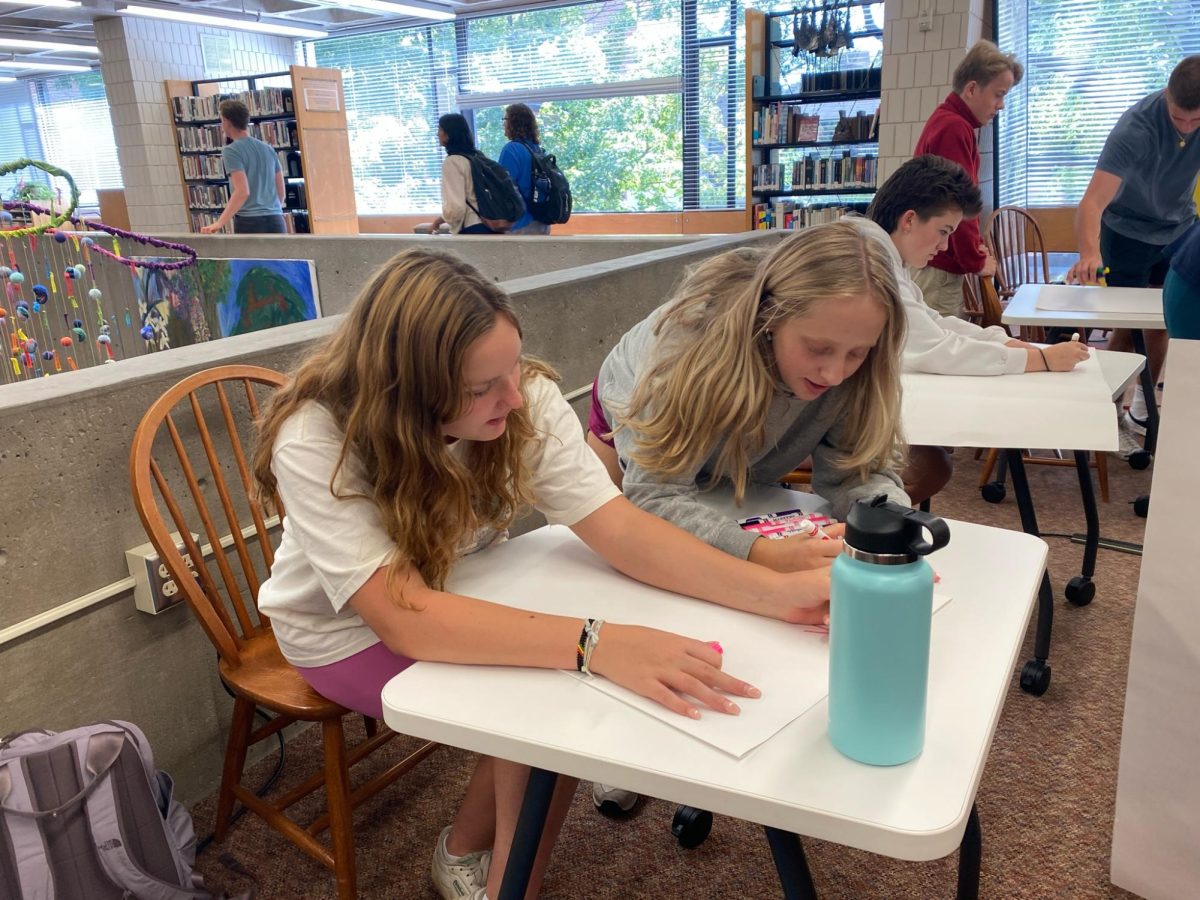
85 816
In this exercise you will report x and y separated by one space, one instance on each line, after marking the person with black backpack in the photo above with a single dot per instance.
536 174
521 129
478 196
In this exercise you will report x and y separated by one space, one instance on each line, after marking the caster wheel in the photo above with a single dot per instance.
1080 590
691 826
1141 506
1035 677
993 491
1140 459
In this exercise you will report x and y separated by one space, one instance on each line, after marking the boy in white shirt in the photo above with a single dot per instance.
913 214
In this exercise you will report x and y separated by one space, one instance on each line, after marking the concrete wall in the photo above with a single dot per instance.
345 264
69 517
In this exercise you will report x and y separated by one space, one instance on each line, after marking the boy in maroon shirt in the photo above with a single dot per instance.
980 83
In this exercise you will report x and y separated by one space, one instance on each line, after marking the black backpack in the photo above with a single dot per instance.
500 203
550 199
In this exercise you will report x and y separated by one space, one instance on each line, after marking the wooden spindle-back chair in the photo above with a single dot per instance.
188 458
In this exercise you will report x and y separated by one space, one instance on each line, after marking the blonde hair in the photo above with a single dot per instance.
982 63
391 376
712 385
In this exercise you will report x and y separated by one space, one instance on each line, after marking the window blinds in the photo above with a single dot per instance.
1086 62
76 133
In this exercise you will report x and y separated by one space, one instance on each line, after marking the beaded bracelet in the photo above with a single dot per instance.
581 647
592 638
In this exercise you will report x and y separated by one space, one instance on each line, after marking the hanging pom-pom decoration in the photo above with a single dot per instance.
16 278
147 332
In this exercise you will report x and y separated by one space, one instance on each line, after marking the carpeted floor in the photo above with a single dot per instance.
1046 801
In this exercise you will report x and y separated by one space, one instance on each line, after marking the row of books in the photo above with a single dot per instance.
262 102
782 123
280 134
820 82
209 166
790 215
297 223
208 196
816 172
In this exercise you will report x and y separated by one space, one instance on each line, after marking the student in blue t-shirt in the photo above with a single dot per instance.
255 178
521 129
1140 200
1181 292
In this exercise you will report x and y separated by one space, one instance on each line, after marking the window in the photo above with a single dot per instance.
1086 62
18 136
641 100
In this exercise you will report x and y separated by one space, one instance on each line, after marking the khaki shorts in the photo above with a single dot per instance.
942 290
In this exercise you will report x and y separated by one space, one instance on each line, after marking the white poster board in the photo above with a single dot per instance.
1156 836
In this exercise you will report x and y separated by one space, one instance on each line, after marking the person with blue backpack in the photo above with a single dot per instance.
521 129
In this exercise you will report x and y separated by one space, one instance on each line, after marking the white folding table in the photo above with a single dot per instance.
795 783
1014 412
1079 306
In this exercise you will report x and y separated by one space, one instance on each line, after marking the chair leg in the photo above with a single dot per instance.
240 727
370 725
989 466
337 790
1102 473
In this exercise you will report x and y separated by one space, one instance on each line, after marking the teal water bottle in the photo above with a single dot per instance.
880 613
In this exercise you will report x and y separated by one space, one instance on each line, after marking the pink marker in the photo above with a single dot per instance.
812 529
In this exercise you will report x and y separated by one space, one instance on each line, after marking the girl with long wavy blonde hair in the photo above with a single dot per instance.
761 360
415 434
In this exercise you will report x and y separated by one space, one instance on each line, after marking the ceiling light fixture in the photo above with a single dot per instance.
5 79
41 66
21 44
400 9
60 4
262 26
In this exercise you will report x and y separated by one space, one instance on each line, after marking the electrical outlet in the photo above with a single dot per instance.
154 589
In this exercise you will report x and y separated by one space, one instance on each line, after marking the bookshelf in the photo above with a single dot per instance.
301 114
812 118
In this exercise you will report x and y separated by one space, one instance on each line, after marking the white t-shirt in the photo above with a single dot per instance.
331 546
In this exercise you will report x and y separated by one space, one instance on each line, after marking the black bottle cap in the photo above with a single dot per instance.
882 527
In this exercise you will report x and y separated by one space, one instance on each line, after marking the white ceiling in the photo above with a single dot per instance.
31 21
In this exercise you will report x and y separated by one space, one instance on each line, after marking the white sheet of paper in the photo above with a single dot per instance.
789 665
1069 410
791 668
1085 298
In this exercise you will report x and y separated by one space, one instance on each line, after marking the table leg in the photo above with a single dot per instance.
1035 675
791 865
1147 380
1080 589
970 851
530 824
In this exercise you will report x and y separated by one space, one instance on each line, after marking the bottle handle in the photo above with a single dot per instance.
937 528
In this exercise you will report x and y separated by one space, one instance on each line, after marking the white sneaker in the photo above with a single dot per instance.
611 800
1128 439
459 877
1136 424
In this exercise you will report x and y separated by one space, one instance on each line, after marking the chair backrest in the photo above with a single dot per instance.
210 497
981 303
1015 239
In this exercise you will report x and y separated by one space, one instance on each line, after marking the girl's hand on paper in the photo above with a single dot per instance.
668 668
798 553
